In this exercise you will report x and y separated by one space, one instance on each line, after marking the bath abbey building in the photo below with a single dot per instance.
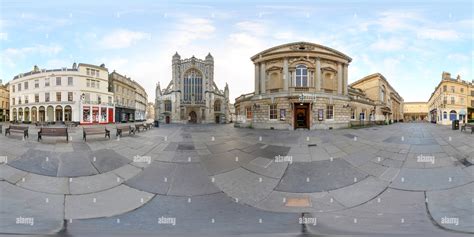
192 95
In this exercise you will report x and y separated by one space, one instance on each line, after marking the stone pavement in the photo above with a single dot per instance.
398 179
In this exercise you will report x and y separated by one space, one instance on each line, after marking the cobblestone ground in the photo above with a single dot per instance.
411 178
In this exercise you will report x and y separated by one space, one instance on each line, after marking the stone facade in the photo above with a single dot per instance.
4 102
451 100
192 96
415 111
388 103
304 85
78 94
130 97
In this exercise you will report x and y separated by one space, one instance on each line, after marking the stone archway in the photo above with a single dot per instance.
192 117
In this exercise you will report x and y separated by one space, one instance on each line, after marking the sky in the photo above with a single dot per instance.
410 42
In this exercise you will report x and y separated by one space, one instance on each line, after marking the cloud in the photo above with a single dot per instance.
458 57
391 44
436 34
253 27
190 29
11 55
122 38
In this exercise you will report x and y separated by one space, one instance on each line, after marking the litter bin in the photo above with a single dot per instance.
455 125
157 124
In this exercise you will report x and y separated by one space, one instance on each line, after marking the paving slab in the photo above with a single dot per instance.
319 202
114 201
247 187
46 211
38 162
319 176
220 163
126 172
453 208
191 180
74 164
430 179
94 183
359 192
267 167
44 184
196 216
107 160
11 174
156 178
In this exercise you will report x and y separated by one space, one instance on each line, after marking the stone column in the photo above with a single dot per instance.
339 78
345 78
318 74
64 119
286 75
262 78
257 79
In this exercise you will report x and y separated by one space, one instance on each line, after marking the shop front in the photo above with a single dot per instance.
124 115
97 114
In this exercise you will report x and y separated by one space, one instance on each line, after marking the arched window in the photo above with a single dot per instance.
192 85
301 76
445 115
217 105
168 106
453 115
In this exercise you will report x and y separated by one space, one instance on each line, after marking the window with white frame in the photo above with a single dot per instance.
70 81
301 79
58 81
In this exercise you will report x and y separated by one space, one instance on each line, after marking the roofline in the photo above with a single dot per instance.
297 43
377 74
94 66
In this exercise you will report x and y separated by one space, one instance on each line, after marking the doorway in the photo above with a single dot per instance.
192 117
217 119
301 116
167 119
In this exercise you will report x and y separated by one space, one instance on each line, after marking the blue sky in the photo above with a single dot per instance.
409 42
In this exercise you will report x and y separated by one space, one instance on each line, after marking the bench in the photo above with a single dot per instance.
140 125
467 125
41 124
122 128
17 129
149 125
95 131
53 132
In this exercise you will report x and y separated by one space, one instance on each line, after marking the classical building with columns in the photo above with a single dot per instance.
78 94
303 85
192 96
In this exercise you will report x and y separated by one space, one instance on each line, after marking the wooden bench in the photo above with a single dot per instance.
53 132
17 129
95 131
140 125
122 128
149 125
467 125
